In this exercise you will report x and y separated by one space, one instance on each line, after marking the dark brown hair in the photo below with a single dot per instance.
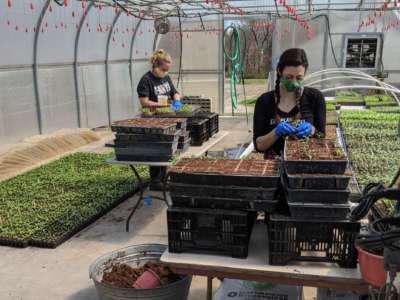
293 57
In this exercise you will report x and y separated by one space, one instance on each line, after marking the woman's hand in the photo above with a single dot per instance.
305 129
284 129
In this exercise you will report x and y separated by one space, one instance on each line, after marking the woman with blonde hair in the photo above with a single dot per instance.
153 87
156 83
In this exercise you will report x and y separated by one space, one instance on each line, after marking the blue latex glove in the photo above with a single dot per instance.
304 130
176 104
284 128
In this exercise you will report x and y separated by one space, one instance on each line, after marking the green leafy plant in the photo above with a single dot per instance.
52 200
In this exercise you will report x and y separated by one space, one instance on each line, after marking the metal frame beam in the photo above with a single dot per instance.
35 64
106 66
76 52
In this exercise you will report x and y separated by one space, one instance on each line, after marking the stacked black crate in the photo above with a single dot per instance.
147 139
315 181
214 203
198 128
212 122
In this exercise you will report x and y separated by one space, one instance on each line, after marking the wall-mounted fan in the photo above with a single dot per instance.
161 25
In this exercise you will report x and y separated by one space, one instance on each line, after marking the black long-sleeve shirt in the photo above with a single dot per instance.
312 109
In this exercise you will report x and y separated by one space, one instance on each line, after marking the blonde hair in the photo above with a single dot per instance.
159 56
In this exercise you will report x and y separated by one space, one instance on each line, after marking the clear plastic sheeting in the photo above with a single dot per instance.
18 115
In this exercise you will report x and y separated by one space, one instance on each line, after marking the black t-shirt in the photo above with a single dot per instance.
151 86
312 109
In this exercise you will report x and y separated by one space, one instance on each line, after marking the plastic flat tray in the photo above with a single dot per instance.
235 192
319 210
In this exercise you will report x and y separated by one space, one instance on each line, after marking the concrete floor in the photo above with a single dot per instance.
62 273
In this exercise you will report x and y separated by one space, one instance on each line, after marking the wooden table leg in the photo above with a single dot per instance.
209 288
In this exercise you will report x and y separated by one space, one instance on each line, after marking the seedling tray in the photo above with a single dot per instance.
210 231
225 180
314 166
319 211
318 181
143 158
247 193
245 173
145 138
208 202
312 240
317 196
151 147
145 126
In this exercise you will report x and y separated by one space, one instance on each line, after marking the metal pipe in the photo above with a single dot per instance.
383 84
131 59
35 65
76 52
346 87
106 65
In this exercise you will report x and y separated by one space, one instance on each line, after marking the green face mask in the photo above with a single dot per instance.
291 85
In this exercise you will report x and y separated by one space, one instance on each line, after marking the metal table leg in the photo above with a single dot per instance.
141 192
209 288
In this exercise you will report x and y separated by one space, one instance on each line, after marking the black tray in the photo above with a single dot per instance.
319 211
248 193
318 181
144 130
268 206
143 158
225 180
315 166
317 196
183 136
208 202
216 231
148 149
144 138
312 240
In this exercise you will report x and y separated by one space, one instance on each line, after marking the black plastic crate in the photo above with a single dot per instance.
209 202
318 181
319 211
249 193
197 126
212 122
144 138
225 180
209 231
312 240
198 140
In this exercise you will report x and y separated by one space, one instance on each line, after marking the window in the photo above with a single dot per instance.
361 53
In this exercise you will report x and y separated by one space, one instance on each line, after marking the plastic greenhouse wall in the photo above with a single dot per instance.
342 24
78 66
85 74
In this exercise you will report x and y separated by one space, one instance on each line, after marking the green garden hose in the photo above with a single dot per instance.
236 60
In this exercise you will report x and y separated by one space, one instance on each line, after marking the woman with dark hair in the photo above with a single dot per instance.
277 112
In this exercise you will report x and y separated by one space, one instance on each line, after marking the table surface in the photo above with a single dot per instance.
146 163
255 267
